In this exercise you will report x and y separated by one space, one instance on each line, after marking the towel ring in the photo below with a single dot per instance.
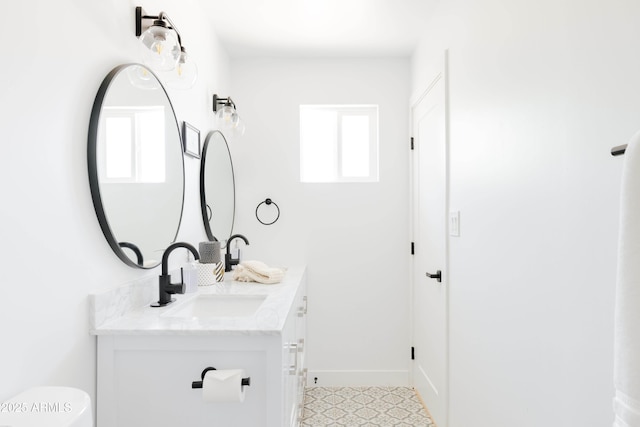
267 202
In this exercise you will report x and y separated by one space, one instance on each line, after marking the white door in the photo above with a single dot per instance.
430 199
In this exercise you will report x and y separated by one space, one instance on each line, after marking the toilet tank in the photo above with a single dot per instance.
48 406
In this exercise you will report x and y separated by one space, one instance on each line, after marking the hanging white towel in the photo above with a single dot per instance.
257 271
627 310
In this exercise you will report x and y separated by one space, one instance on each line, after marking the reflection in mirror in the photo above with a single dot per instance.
136 169
217 187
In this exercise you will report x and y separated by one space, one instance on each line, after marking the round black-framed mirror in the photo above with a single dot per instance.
217 187
136 165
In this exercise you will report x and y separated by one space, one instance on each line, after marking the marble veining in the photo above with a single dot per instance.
115 303
126 310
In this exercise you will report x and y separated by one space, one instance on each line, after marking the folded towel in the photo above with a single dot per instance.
627 310
257 271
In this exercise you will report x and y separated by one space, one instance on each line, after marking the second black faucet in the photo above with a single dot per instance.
229 261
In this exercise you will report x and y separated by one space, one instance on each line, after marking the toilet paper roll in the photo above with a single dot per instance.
223 386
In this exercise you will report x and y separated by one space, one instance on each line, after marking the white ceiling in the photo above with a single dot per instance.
318 28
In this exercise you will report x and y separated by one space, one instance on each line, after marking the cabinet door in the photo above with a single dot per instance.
289 369
151 382
301 374
294 369
155 390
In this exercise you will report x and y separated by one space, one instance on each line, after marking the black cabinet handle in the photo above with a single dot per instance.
437 276
619 150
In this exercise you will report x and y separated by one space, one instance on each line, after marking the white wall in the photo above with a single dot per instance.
539 93
353 237
53 251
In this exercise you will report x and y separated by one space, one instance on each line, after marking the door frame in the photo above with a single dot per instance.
442 73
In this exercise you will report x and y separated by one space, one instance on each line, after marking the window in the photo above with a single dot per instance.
338 143
134 149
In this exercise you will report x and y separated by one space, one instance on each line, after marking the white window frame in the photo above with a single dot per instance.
370 110
132 113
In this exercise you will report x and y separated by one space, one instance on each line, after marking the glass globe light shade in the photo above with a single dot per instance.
185 74
159 47
226 117
229 121
239 129
141 77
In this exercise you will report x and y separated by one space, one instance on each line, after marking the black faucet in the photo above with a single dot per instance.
229 261
166 287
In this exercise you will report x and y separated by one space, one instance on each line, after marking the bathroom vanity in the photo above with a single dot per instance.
149 357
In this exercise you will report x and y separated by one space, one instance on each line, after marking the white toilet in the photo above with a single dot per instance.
48 406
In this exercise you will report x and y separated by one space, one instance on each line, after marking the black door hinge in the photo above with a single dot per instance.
413 353
413 248
412 143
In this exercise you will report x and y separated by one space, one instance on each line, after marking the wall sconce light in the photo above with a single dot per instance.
163 50
227 116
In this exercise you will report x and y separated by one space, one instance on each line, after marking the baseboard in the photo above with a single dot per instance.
321 378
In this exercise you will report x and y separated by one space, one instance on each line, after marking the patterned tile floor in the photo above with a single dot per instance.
364 406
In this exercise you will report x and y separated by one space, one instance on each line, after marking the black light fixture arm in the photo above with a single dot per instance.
222 101
162 16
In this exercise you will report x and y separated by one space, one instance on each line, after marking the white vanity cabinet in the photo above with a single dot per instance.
146 367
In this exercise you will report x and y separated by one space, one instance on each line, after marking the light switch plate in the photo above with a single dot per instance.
454 223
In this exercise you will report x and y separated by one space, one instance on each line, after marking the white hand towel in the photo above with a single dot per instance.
257 271
627 309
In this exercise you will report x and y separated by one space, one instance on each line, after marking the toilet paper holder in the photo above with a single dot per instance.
198 384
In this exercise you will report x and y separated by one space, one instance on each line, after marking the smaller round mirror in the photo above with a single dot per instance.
217 187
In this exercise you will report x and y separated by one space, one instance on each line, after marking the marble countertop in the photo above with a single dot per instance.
114 313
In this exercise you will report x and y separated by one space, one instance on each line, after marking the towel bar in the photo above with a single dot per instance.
619 150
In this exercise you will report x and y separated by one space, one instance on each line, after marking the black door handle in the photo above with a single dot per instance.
437 276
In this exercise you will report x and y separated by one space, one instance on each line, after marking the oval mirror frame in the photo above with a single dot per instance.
93 151
206 159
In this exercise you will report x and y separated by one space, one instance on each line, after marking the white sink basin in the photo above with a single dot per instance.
211 306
